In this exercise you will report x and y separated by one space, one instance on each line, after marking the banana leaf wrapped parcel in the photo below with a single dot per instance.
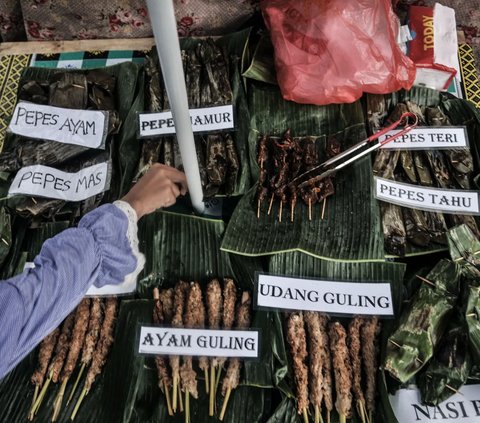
450 367
413 343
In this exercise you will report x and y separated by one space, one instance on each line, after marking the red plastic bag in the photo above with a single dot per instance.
331 51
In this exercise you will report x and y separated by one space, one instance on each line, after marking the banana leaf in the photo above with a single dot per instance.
463 245
129 97
351 227
302 265
185 247
473 321
234 45
460 113
423 323
449 368
262 65
5 234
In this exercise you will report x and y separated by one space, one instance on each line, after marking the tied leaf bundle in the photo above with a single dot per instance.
449 368
422 325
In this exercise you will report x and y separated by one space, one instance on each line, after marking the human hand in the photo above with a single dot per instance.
158 188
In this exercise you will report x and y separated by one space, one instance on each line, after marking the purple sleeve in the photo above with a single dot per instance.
35 302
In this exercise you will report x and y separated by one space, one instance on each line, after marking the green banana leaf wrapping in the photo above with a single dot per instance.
303 265
5 234
129 100
352 206
460 113
449 368
473 321
422 324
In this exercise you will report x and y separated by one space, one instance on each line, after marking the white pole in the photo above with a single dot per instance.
162 18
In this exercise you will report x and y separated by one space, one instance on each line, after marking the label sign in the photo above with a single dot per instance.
44 181
463 407
287 293
199 342
430 199
426 137
87 128
207 119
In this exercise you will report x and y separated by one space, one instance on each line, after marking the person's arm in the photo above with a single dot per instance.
102 250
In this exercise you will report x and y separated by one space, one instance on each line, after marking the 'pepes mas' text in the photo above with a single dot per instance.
44 181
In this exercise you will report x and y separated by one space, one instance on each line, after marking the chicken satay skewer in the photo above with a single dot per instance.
44 355
164 380
354 345
181 290
317 342
342 369
101 351
232 378
194 318
61 350
82 315
91 338
297 340
214 314
369 336
229 301
327 366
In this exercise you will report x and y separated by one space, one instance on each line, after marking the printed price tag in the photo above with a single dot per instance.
87 128
346 298
44 181
430 199
199 342
463 407
207 119
428 137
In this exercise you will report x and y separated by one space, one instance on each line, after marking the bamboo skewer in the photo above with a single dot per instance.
174 395
310 209
180 398
211 406
82 369
37 404
224 405
426 281
258 208
280 212
207 384
270 205
187 407
57 405
167 396
323 207
305 415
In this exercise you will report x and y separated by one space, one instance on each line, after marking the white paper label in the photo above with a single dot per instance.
426 137
127 287
44 181
287 293
199 342
463 407
207 119
87 128
430 199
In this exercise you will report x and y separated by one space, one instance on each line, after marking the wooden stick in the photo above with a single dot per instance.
328 416
225 402
219 373
318 415
167 396
180 398
35 396
258 208
5 242
323 207
292 210
280 212
426 281
270 206
77 406
395 343
361 411
305 415
211 407
82 369
187 406
36 406
174 395
309 209
57 405
207 384
342 418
